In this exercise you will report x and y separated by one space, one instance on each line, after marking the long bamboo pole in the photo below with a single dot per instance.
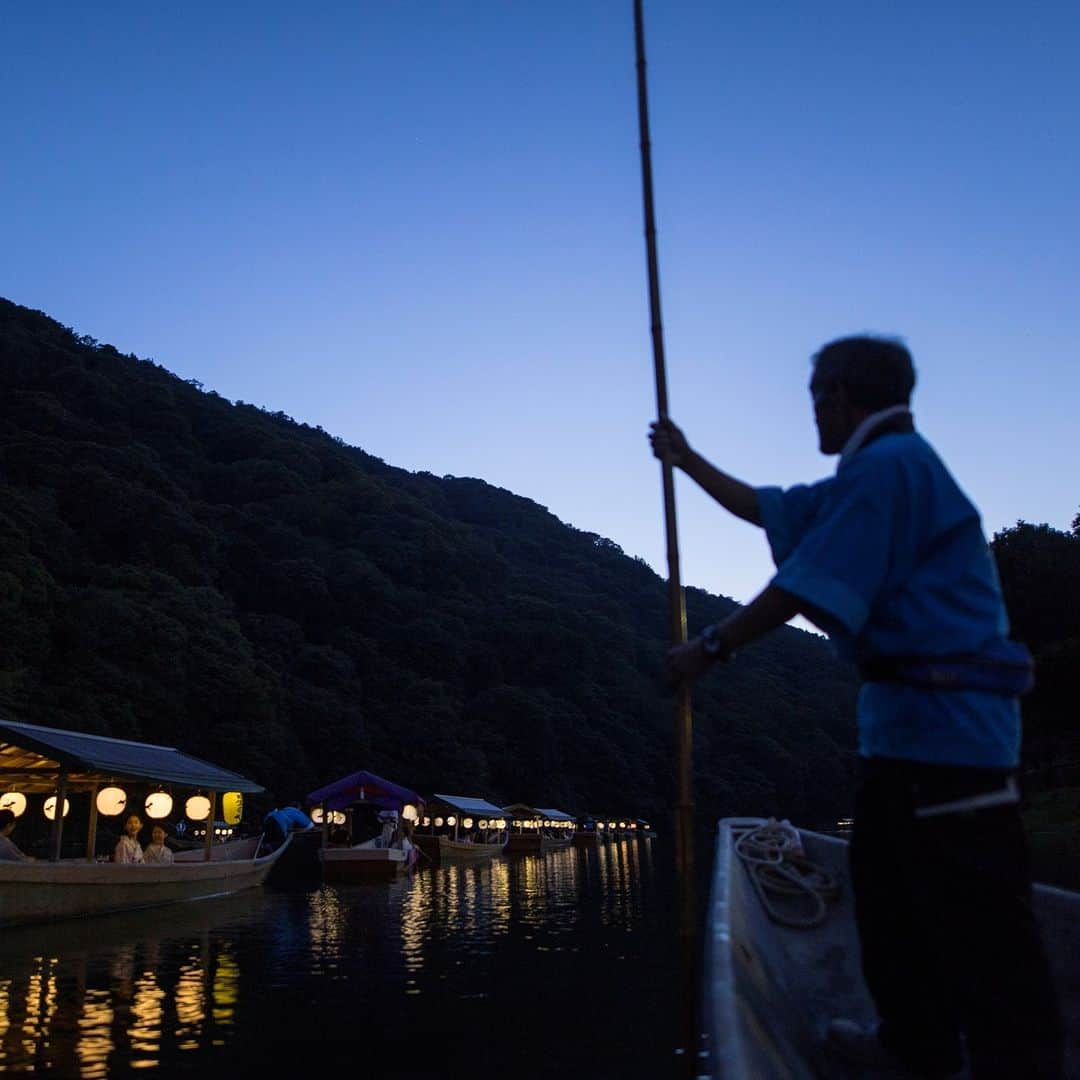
684 724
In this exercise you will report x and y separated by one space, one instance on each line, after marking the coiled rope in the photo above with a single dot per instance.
777 865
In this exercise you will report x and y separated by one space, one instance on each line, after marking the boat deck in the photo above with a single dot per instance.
772 989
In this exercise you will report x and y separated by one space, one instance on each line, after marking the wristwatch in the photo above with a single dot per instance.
714 645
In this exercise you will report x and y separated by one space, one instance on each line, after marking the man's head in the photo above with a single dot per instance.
7 822
854 377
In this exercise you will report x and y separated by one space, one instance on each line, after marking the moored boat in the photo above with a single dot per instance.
587 833
538 829
771 989
457 828
363 802
64 765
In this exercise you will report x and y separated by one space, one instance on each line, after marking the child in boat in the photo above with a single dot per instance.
888 557
156 851
8 851
128 849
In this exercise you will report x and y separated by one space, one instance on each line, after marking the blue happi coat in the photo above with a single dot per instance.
890 556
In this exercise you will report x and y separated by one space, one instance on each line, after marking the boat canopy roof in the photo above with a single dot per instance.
364 787
33 757
554 815
469 806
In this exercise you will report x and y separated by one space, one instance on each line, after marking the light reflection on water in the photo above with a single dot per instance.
578 934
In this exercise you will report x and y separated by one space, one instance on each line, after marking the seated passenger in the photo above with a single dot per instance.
128 849
156 851
8 851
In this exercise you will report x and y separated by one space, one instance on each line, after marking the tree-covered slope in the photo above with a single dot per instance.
178 568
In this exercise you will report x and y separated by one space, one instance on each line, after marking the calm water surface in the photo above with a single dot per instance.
552 965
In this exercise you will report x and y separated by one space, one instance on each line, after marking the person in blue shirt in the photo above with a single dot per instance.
889 558
280 822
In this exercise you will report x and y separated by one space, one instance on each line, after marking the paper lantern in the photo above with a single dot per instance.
438 823
409 812
50 807
426 822
337 817
467 823
111 801
451 821
483 824
317 815
197 808
15 801
232 807
502 823
159 805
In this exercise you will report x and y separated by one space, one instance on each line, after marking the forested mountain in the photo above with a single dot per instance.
178 568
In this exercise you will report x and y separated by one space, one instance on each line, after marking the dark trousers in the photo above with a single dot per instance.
950 945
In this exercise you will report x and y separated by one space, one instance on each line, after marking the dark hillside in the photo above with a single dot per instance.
178 568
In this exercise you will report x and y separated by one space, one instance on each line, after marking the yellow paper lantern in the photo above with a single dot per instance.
438 823
158 805
197 808
337 817
451 821
426 822
467 823
232 807
409 812
483 824
50 807
15 801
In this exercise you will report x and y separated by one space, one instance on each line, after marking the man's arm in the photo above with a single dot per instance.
669 444
769 609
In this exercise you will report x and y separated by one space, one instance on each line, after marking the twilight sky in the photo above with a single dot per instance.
418 224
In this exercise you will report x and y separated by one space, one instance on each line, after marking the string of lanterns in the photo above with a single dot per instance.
112 801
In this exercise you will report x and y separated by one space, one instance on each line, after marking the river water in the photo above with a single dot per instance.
560 965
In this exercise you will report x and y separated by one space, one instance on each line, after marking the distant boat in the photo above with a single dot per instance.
538 829
389 853
587 833
457 828
771 989
37 760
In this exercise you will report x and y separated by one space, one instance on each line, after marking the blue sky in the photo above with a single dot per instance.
418 224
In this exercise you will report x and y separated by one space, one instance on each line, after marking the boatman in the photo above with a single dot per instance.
888 557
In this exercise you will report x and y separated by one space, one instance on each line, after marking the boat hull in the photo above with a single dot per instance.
36 892
440 849
586 839
537 843
771 990
363 864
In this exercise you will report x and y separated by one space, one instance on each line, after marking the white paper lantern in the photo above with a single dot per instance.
451 821
50 807
438 823
111 801
15 801
467 823
197 808
409 812
159 805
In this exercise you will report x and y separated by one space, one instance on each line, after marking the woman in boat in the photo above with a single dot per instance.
156 851
128 849
8 851
889 558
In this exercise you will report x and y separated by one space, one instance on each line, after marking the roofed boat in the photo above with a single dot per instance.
587 833
771 989
535 828
62 765
458 828
396 810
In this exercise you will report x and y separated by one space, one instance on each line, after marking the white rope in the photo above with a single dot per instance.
777 864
